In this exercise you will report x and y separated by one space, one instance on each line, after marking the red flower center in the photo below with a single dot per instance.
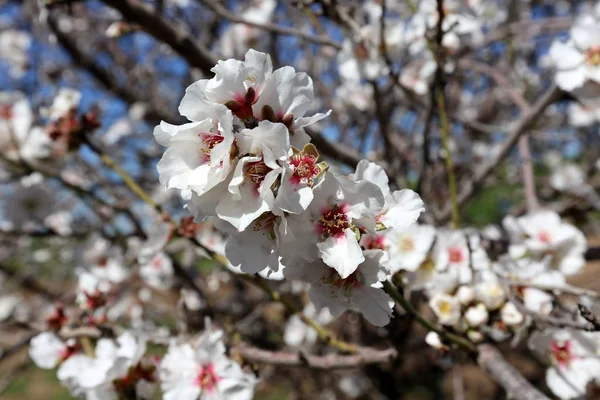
349 283
68 351
375 242
6 112
207 379
562 353
544 237
455 254
305 168
209 140
57 319
241 106
334 221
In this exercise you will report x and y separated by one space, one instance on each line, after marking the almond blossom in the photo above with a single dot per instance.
573 361
203 371
578 60
359 291
341 209
546 236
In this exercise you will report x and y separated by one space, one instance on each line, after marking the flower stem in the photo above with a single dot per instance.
445 130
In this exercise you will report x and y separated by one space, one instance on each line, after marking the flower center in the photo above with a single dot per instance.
94 300
209 141
445 307
6 112
544 237
592 56
207 379
187 227
334 221
126 384
57 319
455 254
375 242
241 106
334 280
562 353
157 263
406 244
305 168
68 351
265 222
256 171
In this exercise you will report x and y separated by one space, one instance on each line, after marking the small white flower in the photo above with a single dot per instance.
465 294
297 333
491 294
476 315
574 365
433 339
475 336
578 60
203 371
158 272
446 308
408 248
510 315
47 350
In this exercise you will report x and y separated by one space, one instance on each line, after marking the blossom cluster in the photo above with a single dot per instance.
123 368
245 162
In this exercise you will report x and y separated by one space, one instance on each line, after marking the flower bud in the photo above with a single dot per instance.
511 315
476 315
465 294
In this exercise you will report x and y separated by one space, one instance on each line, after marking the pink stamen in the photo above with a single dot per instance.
207 379
455 254
334 221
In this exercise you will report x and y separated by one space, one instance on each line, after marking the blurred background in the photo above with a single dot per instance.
121 66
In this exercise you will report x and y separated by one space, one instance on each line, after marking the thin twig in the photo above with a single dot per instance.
223 12
589 316
364 356
551 95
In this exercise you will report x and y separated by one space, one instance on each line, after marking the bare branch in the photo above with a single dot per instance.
223 12
125 91
166 31
364 356
551 95
515 385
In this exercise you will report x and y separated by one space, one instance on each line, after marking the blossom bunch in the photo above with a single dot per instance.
245 162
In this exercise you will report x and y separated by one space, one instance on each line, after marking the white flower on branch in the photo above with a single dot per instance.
203 371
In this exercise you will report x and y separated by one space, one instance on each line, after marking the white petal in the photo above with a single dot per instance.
374 304
343 254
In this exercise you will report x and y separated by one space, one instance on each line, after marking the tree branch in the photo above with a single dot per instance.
125 91
515 385
223 12
551 95
364 356
165 31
